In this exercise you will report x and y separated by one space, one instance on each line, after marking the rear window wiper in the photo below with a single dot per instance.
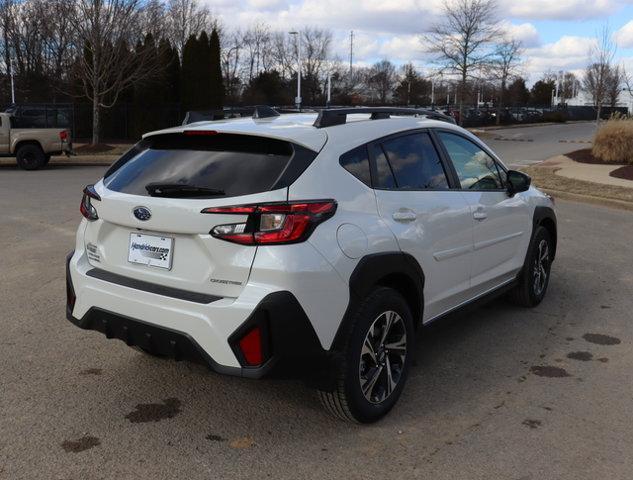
180 190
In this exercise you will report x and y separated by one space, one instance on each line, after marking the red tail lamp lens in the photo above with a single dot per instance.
63 135
251 347
200 133
85 207
273 223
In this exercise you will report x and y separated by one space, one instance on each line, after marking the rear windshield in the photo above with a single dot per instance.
233 164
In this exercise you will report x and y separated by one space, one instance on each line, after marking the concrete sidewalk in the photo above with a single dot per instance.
587 172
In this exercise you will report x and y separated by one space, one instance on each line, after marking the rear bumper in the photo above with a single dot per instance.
183 330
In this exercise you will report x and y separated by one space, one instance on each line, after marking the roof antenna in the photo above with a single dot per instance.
264 111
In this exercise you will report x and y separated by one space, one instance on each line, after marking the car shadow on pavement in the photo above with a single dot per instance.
462 361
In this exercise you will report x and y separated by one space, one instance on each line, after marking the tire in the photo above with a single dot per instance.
355 398
30 157
47 158
535 276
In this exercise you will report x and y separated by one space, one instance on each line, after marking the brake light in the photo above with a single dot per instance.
86 207
273 223
200 133
63 135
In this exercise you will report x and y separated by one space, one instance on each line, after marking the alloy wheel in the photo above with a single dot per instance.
540 268
382 357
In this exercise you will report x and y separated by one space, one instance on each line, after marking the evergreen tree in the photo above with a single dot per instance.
168 58
542 92
217 85
203 86
518 94
412 88
267 88
190 74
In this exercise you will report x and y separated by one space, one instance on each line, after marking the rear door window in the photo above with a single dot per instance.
234 164
414 163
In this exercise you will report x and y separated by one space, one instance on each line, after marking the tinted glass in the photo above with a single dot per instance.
236 164
385 178
415 162
356 162
476 169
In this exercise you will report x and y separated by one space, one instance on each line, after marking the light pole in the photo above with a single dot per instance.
298 99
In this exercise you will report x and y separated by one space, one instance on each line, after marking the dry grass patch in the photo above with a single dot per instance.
546 178
614 141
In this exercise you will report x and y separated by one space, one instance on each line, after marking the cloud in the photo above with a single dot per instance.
624 36
380 16
526 33
273 5
568 53
561 9
392 29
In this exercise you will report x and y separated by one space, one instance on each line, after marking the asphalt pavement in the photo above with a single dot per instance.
519 146
496 393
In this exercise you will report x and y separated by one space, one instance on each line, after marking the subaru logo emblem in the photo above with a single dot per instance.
142 213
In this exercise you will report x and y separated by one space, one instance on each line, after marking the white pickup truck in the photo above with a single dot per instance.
32 147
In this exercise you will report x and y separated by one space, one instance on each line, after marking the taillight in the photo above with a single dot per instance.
273 223
63 135
200 133
86 207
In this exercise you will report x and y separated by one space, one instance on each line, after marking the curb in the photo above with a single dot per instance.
527 125
577 197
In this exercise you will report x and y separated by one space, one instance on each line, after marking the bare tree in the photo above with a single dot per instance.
315 51
185 18
257 51
230 53
597 74
505 67
284 54
105 28
461 40
615 79
382 80
154 20
570 86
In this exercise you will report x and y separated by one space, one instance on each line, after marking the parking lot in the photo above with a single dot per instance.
495 393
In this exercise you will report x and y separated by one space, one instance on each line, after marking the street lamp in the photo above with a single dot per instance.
298 98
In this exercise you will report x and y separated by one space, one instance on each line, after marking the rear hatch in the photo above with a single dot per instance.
150 224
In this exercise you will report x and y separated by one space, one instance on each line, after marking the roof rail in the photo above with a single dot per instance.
338 116
264 111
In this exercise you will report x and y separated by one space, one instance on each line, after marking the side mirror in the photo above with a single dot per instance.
518 182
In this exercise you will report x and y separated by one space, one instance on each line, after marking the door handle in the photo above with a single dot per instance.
404 216
480 215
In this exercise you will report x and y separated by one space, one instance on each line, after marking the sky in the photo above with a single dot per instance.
556 34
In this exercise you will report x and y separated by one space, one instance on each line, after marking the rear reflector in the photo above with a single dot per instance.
251 347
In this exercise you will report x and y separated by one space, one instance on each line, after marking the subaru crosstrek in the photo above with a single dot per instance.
326 240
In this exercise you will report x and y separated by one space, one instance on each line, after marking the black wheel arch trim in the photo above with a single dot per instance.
545 216
383 269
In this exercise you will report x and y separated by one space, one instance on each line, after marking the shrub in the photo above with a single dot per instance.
614 141
556 116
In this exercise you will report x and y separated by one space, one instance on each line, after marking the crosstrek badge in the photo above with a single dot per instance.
151 250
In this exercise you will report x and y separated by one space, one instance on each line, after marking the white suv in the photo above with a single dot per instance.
327 241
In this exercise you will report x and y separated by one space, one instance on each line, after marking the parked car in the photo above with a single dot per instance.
327 241
32 147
